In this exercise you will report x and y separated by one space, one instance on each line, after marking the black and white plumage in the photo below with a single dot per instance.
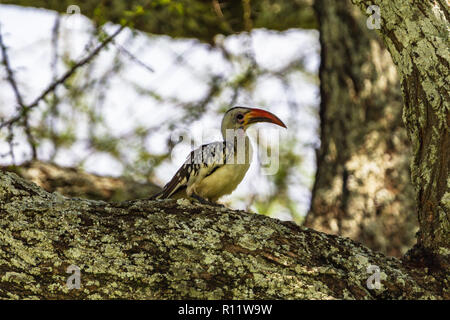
200 163
216 169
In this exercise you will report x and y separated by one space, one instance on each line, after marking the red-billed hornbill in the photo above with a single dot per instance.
216 169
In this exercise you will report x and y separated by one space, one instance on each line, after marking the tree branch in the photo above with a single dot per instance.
177 250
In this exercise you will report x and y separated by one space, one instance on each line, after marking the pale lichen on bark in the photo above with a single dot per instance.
146 249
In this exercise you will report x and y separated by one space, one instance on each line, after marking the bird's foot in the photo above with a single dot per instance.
205 201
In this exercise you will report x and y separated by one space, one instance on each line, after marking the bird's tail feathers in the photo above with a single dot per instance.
156 196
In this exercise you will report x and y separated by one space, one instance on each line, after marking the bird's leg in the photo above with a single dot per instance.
205 201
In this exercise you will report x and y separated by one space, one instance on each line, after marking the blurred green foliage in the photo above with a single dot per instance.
198 19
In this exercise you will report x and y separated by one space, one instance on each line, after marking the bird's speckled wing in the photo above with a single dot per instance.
200 163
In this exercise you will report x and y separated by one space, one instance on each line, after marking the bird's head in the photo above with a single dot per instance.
241 118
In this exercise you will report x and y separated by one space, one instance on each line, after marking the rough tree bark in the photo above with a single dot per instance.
173 249
377 196
416 35
362 188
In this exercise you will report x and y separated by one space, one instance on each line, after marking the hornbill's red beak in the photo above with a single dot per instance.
259 115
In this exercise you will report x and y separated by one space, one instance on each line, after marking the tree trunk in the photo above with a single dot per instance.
416 35
176 250
362 188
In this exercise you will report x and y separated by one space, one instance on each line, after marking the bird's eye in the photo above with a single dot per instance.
240 117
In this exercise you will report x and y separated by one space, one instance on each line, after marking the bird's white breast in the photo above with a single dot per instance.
224 180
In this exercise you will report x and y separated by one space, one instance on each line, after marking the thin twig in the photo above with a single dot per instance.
62 79
55 43
133 57
79 64
21 105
